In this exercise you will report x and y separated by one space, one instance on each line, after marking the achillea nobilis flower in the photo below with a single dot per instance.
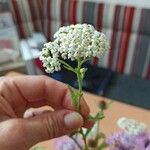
80 41
132 126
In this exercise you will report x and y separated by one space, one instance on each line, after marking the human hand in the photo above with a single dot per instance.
18 94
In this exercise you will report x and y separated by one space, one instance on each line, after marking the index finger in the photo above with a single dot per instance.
38 90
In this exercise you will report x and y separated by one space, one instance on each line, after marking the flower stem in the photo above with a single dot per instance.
79 76
67 66
80 80
84 139
80 147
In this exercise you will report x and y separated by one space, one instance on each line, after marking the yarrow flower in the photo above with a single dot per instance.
132 126
80 41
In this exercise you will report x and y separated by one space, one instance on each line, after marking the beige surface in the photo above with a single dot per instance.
108 124
117 110
13 73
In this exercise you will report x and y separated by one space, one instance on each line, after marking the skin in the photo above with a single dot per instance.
21 127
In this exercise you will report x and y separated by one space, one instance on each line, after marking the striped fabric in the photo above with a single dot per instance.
27 15
4 6
127 28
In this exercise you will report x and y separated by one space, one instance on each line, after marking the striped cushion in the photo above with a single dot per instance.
4 6
127 28
27 15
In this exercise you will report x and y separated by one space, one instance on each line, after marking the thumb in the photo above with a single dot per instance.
51 125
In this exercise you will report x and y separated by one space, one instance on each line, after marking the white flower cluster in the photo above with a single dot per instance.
73 42
132 126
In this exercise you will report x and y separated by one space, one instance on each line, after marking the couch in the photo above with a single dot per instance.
126 27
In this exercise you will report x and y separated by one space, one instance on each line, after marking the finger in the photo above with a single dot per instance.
84 108
24 91
36 111
51 125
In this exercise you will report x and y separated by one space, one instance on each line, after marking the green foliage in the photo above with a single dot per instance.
98 116
75 95
102 146
87 132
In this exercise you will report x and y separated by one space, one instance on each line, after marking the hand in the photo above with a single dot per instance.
20 131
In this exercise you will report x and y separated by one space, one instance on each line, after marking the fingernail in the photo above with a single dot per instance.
73 121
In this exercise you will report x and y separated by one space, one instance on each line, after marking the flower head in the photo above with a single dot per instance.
73 42
134 137
143 141
127 141
121 141
132 126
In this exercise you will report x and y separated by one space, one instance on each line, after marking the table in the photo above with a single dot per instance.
116 110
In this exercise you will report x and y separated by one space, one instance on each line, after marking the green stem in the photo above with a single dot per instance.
83 61
80 80
80 147
84 139
67 66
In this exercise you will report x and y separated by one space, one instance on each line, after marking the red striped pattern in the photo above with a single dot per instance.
40 8
33 15
99 25
148 73
49 20
114 35
83 12
121 29
125 37
100 17
72 11
38 63
62 14
18 19
138 42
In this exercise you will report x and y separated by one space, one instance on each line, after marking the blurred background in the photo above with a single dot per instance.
123 74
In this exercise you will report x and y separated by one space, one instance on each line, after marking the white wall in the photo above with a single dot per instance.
136 3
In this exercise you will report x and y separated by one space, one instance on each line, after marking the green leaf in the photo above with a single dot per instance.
76 99
102 135
98 116
109 104
102 146
83 72
75 95
68 68
83 61
88 131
